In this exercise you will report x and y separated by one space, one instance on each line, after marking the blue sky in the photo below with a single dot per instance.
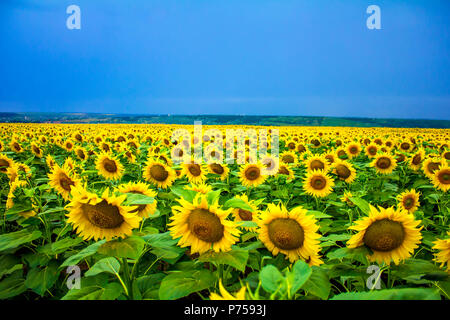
257 57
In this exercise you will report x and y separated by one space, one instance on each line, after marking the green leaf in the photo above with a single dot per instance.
271 278
149 285
64 244
318 284
134 199
86 252
180 284
39 280
362 204
318 214
14 239
213 196
130 247
298 276
109 292
188 195
237 203
237 258
8 264
247 224
391 294
109 265
164 246
12 286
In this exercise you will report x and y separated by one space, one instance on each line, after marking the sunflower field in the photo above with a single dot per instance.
102 212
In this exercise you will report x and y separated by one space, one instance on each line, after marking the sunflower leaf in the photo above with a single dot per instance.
14 239
130 247
109 265
237 203
86 252
237 258
180 284
134 199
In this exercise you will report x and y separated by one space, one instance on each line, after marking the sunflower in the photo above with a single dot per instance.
246 215
344 170
441 178
353 149
109 167
251 175
285 170
15 146
142 210
384 163
317 163
101 217
445 155
346 198
225 295
371 150
196 173
415 162
443 256
130 156
331 157
202 226
159 174
200 188
341 153
293 233
36 150
13 186
50 161
5 163
63 181
405 146
219 169
289 157
318 184
391 234
68 145
271 165
81 153
430 165
409 200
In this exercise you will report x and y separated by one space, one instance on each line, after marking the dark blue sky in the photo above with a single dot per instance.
227 57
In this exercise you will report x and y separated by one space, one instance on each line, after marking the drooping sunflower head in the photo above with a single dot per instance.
344 170
409 200
346 198
250 214
15 146
416 160
391 235
81 153
441 178
5 163
200 188
142 210
292 233
159 174
219 169
443 254
36 150
225 295
102 217
109 166
318 184
384 163
202 226
285 170
63 181
251 175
